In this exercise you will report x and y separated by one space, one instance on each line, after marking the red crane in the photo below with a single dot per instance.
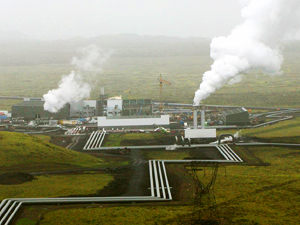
161 81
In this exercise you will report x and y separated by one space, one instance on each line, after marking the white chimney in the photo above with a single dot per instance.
202 116
195 118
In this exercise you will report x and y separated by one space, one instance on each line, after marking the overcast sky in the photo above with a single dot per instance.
59 19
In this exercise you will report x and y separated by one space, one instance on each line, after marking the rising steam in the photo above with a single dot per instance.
255 44
77 85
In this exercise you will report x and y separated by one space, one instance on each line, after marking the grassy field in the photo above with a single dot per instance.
23 152
115 139
115 215
265 194
57 186
244 195
155 154
286 131
140 75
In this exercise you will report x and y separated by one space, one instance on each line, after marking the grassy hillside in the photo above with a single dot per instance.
23 152
286 131
136 64
56 186
247 194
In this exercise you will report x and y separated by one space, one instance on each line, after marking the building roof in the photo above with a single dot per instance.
163 120
234 111
31 103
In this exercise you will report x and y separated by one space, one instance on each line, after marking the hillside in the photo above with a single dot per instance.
23 152
284 132
37 67
33 52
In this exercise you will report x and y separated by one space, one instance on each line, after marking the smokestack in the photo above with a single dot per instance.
202 116
195 117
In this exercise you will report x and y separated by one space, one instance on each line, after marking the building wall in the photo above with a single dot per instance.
85 108
29 112
200 133
137 107
106 122
90 103
112 103
75 108
237 119
114 107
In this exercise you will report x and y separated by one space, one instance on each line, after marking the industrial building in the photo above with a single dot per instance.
238 116
137 107
117 106
101 105
199 133
114 106
131 122
84 108
30 110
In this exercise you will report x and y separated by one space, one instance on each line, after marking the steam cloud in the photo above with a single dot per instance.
254 44
77 85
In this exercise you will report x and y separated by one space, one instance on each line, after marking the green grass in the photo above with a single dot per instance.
19 151
114 139
246 195
25 221
265 194
140 74
56 186
163 154
114 215
285 131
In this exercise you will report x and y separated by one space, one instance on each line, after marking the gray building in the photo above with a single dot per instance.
30 110
83 108
238 116
137 107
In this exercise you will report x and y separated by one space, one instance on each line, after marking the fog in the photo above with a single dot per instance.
62 19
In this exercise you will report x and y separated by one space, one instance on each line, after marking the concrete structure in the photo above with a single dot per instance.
200 133
141 122
195 116
30 110
238 116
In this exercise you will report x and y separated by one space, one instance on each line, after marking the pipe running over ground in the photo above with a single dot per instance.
159 186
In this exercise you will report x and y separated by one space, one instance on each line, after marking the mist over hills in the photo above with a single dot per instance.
18 49
31 52
8 36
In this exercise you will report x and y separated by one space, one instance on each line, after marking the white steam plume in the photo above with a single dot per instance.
254 44
77 85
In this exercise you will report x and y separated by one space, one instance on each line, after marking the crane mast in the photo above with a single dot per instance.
161 81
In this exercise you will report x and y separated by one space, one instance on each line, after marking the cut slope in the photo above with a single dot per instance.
26 152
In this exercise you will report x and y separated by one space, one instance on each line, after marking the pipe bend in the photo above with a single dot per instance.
226 135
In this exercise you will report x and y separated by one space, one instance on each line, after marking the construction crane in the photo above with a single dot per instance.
161 81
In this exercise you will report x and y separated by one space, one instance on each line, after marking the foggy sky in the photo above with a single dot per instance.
60 19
